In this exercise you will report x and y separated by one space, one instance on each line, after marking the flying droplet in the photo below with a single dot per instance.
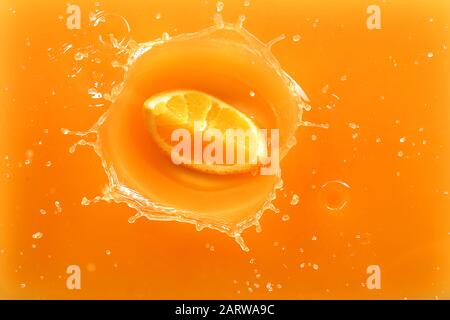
295 199
37 235
219 6
58 207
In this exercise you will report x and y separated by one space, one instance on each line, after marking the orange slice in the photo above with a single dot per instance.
197 113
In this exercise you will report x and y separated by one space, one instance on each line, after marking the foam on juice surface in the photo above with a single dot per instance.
123 185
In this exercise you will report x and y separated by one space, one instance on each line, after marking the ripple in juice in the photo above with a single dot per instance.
226 62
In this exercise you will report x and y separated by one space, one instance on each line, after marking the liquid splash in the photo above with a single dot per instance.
117 192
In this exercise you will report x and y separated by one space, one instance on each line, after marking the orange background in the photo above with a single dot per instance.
386 83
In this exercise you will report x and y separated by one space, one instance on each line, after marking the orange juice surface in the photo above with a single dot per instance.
354 95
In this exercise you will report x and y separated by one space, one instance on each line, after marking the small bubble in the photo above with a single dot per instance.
402 139
400 154
42 211
48 164
108 252
335 194
23 285
314 238
285 217
313 137
252 93
430 55
247 3
158 16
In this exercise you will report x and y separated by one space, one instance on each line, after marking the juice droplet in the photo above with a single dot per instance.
37 235
219 6
241 20
80 56
295 199
58 207
335 195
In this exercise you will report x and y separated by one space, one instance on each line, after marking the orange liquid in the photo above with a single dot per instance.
394 212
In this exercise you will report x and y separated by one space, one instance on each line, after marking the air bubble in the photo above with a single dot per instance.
58 207
335 195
